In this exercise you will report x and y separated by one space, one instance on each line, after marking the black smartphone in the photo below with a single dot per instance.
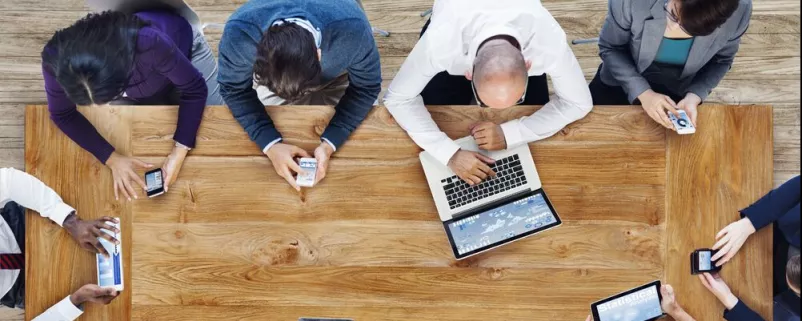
154 180
702 261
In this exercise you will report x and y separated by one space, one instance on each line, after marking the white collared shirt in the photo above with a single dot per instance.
31 193
450 43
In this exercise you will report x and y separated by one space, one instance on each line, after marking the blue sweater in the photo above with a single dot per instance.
347 46
780 206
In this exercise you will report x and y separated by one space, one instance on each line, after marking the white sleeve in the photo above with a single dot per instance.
404 102
572 102
62 311
31 193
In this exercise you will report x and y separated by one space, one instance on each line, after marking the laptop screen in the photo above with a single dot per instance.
501 224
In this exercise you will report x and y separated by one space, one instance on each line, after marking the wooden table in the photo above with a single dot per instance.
231 241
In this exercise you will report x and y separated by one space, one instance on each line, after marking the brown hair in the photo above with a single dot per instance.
792 271
287 61
702 17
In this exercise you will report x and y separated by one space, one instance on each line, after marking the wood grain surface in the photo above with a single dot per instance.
231 241
711 176
56 266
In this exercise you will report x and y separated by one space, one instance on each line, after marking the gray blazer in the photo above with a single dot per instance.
631 36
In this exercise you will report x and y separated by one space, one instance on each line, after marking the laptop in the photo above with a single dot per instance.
497 211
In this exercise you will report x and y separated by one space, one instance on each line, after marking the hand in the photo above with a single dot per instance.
283 158
123 169
669 303
172 165
87 232
93 293
689 104
471 167
488 136
730 239
589 318
715 284
656 106
322 155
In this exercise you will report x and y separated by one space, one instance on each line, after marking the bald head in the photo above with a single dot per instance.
500 73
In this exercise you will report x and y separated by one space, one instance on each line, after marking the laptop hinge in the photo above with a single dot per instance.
491 205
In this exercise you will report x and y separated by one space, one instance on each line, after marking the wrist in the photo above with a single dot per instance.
750 228
327 148
730 301
70 222
180 151
645 94
693 98
75 300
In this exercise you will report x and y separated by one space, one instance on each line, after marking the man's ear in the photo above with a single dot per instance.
528 65
468 75
319 55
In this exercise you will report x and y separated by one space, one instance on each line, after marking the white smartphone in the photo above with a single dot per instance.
306 178
683 124
110 270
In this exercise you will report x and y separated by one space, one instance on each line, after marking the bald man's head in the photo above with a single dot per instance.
500 73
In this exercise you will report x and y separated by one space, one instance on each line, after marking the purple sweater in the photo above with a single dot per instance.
161 65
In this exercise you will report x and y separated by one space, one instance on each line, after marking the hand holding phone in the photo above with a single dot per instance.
683 123
702 261
154 180
306 177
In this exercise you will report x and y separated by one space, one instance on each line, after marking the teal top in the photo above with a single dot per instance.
674 51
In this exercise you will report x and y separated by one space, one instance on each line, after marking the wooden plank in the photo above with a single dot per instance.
205 193
339 243
152 131
224 284
86 185
254 313
729 165
12 314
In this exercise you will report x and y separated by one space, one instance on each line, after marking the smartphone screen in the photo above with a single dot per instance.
705 264
155 182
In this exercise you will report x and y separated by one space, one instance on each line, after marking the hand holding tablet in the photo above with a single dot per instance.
639 304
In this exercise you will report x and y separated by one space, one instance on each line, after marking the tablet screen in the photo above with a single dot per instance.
501 224
640 305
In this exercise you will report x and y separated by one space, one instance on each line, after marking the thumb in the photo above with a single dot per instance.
484 158
474 126
300 152
140 163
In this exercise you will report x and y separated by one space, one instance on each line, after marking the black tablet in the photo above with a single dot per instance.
639 304
499 223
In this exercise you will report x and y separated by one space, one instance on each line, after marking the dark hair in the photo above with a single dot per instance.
702 17
92 60
792 271
287 61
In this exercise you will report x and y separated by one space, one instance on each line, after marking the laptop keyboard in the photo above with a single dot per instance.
509 175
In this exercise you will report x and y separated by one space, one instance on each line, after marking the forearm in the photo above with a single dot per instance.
708 78
350 112
73 124
190 115
65 310
31 193
774 204
738 311
250 114
614 50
